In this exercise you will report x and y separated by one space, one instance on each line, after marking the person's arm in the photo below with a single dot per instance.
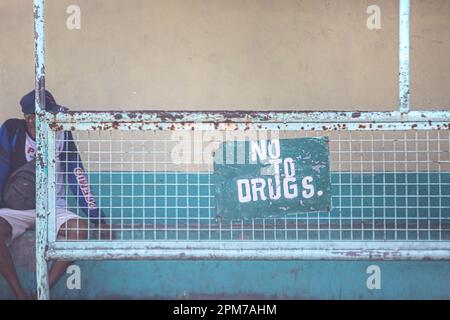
78 181
5 152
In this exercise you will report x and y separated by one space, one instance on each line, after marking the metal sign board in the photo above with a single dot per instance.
271 178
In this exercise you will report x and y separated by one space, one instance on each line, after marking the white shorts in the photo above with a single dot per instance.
23 220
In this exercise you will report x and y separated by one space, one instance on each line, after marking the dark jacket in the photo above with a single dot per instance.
12 156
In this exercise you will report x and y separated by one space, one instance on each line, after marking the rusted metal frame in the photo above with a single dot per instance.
276 126
51 220
292 120
42 131
215 117
240 120
253 250
404 55
263 254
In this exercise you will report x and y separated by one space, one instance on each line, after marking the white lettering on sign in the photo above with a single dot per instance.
260 149
309 188
258 186
274 194
244 184
290 190
274 144
276 185
276 166
289 167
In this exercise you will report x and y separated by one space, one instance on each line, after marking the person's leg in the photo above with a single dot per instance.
73 229
7 268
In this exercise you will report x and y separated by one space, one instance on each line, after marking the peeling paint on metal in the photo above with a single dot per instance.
41 153
404 56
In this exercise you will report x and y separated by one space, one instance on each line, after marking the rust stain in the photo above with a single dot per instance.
168 116
55 127
40 160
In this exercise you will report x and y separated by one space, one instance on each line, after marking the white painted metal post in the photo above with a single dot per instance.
404 55
41 153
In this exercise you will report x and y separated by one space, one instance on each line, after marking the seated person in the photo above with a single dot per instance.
17 148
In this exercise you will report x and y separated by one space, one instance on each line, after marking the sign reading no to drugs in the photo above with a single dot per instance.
271 178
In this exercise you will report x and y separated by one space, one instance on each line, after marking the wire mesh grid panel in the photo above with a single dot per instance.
157 185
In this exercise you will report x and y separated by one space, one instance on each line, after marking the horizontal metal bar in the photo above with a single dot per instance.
269 126
280 254
256 250
254 245
158 116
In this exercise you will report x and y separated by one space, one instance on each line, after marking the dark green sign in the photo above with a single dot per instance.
271 178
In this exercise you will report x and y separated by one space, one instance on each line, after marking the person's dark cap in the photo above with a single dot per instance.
28 104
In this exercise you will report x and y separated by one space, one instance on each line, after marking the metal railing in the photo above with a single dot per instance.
390 176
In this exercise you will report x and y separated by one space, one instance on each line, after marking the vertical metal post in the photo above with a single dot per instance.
41 153
51 195
404 54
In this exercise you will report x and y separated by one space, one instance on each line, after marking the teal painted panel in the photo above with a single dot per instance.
355 197
349 191
416 198
248 280
271 178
